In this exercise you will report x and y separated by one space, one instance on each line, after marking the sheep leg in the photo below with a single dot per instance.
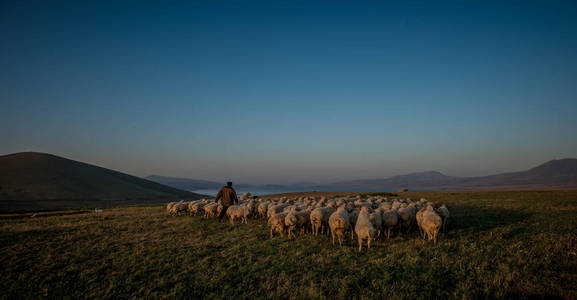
369 243
333 239
271 229
360 244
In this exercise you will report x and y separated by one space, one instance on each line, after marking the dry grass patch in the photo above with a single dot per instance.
499 244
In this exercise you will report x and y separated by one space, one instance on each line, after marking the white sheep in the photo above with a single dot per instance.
211 210
296 220
339 224
169 207
234 212
196 207
248 211
419 218
320 218
353 216
277 224
178 208
364 228
407 216
390 221
376 218
262 209
431 223
443 212
274 209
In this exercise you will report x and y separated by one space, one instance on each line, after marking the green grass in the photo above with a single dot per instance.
498 244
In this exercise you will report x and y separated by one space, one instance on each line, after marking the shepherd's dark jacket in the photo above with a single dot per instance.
228 196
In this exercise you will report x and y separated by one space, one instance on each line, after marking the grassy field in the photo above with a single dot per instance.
498 244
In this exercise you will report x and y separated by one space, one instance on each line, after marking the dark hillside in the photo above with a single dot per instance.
31 177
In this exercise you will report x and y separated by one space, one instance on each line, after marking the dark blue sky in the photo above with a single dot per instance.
288 91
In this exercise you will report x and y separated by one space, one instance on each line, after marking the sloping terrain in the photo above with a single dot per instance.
420 179
31 180
552 174
560 173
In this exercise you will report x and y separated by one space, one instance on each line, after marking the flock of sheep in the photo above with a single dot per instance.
370 219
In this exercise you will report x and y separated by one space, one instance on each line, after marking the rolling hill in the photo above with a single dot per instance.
31 180
420 179
560 173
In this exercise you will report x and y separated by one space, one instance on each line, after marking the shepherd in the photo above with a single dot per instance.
227 196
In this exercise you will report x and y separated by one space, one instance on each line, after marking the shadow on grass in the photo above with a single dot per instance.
478 219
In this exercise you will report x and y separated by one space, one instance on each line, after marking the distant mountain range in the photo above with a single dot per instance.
185 183
198 184
560 173
31 180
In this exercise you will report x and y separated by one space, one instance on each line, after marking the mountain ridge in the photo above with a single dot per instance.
36 178
553 173
557 173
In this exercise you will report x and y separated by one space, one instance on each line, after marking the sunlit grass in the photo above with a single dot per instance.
498 244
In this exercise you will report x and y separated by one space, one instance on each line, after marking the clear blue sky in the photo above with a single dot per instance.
285 91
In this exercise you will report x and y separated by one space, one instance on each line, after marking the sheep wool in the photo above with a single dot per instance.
364 228
339 224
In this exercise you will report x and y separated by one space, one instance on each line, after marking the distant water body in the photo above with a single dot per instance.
213 192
